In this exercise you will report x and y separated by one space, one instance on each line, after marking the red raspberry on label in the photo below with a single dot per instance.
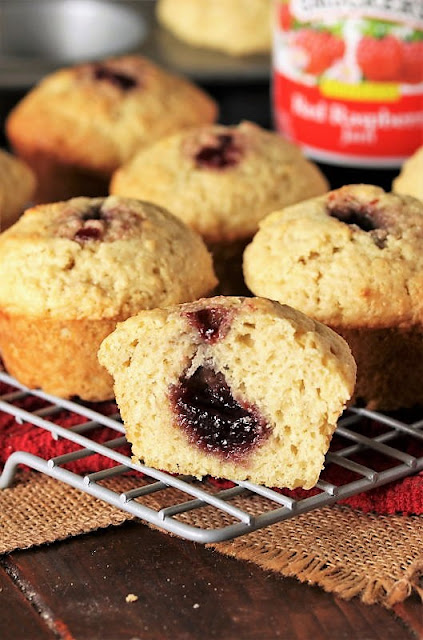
322 49
380 59
412 62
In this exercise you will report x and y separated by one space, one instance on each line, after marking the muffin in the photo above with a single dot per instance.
238 27
69 271
221 180
81 123
410 179
239 388
352 259
17 185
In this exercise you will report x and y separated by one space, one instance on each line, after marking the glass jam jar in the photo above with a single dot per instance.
348 79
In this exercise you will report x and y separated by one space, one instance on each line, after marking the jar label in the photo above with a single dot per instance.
348 78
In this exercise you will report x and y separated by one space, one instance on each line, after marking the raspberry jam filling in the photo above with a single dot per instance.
212 324
97 223
220 153
366 217
92 225
121 80
211 417
354 214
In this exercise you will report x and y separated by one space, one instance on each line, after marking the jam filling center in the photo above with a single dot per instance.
121 80
213 419
367 217
212 323
360 217
97 223
92 225
219 154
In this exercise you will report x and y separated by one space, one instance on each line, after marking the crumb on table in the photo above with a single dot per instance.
131 597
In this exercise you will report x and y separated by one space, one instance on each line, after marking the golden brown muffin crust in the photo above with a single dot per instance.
69 271
60 261
96 115
221 180
351 258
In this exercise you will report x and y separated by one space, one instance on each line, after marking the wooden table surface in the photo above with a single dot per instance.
78 589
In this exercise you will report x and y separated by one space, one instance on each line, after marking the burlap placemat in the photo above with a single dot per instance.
344 551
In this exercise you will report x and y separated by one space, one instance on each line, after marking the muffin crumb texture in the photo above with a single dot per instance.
240 388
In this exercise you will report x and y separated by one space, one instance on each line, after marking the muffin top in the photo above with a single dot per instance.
410 179
100 258
221 180
97 114
17 185
238 27
350 258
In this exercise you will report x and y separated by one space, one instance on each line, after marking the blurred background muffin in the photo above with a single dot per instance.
410 179
237 27
82 122
17 186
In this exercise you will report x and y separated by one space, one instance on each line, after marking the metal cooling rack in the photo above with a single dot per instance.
397 464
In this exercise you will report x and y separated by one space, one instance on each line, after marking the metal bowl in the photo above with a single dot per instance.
40 35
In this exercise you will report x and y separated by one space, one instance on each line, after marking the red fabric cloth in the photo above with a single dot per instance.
403 496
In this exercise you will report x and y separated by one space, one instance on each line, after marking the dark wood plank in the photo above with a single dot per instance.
18 618
184 591
411 612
